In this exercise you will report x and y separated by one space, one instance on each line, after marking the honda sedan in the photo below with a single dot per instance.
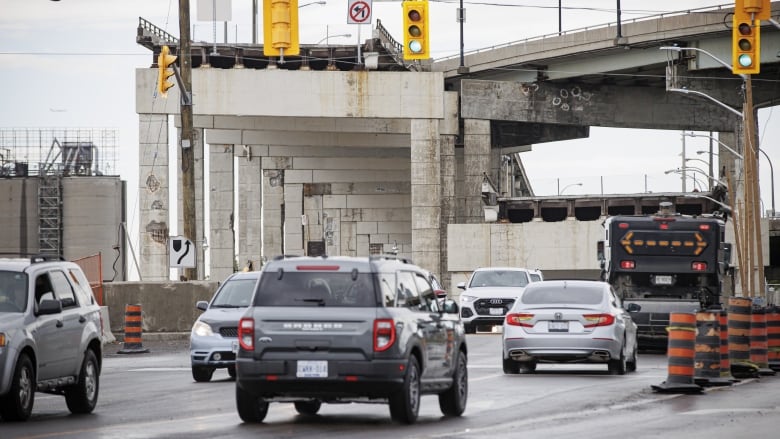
569 321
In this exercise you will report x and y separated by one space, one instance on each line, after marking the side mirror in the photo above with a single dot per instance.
633 307
462 285
202 305
450 307
49 307
600 252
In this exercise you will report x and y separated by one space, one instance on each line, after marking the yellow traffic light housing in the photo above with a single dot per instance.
745 44
165 70
280 28
415 21
761 8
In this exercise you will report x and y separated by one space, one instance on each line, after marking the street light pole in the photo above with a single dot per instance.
561 191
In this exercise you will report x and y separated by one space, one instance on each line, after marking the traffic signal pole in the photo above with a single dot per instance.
187 143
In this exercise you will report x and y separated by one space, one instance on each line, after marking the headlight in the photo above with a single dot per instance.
202 329
464 298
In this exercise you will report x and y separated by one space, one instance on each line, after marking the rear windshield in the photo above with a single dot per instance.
499 278
235 293
569 295
286 288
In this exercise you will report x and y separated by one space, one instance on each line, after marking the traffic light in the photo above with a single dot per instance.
165 71
416 30
745 44
762 8
280 28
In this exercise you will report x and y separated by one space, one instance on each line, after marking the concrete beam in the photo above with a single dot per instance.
306 138
609 106
521 135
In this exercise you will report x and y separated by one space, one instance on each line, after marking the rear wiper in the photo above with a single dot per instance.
319 302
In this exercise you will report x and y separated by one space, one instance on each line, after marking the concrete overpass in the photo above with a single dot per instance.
350 161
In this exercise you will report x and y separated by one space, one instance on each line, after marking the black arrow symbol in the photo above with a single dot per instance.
186 251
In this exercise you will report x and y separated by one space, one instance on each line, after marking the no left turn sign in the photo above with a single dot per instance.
359 12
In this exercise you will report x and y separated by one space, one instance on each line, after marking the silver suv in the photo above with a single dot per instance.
50 336
490 293
348 329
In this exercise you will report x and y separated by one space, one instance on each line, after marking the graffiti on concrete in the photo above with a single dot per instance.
573 99
152 183
158 232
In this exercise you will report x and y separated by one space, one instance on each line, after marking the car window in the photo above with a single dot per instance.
81 284
62 289
43 288
427 296
13 291
499 278
235 293
293 288
406 292
536 277
387 286
559 295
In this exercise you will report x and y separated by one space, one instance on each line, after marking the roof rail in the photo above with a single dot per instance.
34 257
390 256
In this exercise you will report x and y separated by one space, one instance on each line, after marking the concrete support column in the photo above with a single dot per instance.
153 197
250 207
273 212
293 225
447 151
200 205
221 211
476 163
426 193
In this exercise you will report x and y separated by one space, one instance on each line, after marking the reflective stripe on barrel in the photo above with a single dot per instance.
707 356
739 329
681 351
725 364
758 342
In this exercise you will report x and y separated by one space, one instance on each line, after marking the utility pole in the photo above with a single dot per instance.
752 195
187 142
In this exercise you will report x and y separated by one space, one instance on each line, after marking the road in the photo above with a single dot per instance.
153 395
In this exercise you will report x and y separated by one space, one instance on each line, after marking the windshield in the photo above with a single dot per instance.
13 291
499 278
235 293
316 288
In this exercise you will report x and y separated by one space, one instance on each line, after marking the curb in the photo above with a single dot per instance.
161 336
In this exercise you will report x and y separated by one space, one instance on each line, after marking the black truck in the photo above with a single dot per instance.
665 262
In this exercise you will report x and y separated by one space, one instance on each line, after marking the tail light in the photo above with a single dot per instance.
384 334
627 265
699 266
520 319
246 333
704 227
594 320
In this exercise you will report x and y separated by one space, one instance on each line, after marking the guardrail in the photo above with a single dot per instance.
148 30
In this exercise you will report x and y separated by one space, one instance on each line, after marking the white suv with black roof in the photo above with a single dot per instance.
50 336
349 329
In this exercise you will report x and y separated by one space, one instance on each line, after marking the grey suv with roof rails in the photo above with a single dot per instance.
50 335
349 329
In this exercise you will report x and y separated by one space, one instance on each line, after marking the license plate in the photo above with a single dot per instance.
312 369
234 346
663 280
496 311
558 326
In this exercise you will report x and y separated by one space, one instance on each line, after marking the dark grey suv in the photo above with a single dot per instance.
50 336
348 329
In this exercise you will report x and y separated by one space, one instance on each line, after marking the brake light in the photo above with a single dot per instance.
627 265
520 319
663 226
622 225
699 266
704 226
384 334
246 333
317 267
594 320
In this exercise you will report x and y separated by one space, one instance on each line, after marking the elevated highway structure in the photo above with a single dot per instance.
379 155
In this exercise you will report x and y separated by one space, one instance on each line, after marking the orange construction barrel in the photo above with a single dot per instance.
680 355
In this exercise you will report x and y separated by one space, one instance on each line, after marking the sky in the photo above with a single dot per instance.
71 64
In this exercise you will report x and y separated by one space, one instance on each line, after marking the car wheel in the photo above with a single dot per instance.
470 328
17 404
250 407
82 398
309 408
631 364
526 366
202 374
405 404
618 367
452 401
511 367
232 371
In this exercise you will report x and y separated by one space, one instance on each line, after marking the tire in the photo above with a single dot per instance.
250 408
470 328
619 366
511 367
82 398
202 374
308 408
17 404
232 371
452 401
405 404
631 364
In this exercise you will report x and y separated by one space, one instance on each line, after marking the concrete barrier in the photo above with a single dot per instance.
168 306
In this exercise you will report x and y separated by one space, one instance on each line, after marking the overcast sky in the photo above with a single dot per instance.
71 63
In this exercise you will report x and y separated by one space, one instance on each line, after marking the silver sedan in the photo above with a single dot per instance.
568 321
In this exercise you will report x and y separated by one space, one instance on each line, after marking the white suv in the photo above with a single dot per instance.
490 293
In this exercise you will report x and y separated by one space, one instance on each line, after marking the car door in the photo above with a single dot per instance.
73 322
47 331
428 318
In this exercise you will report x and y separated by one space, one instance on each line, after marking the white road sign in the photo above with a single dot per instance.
182 252
359 12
